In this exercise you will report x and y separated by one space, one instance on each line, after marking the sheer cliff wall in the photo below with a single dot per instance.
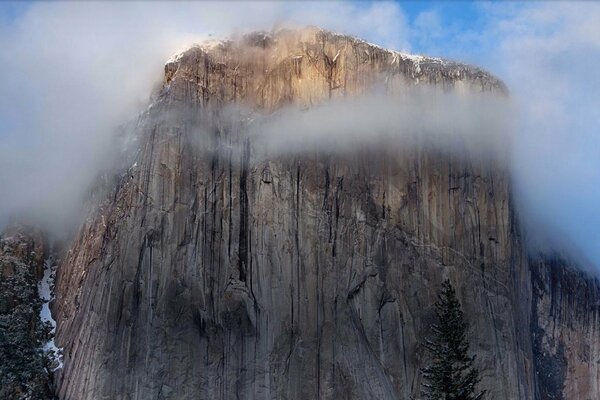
206 272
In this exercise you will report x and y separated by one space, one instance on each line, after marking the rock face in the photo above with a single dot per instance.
23 365
565 329
206 272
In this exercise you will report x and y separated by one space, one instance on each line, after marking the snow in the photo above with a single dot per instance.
396 55
211 44
205 45
45 292
412 57
336 56
175 57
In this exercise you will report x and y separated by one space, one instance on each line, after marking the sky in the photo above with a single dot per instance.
73 72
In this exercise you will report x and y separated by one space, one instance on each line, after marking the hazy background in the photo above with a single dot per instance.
73 72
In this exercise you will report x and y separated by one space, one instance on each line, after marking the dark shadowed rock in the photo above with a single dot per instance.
24 367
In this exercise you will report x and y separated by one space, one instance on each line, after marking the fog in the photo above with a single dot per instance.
73 73
551 52
422 115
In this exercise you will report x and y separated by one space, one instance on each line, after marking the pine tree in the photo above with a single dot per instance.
451 375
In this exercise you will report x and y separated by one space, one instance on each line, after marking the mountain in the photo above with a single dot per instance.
25 368
207 270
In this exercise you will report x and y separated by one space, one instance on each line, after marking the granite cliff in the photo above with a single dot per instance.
205 272
26 367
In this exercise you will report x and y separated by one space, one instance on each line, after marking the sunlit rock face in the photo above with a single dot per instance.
207 272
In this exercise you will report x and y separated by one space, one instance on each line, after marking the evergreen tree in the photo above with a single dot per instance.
450 375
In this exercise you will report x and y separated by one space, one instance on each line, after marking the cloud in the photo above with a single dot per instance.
417 116
428 27
550 53
73 72
383 23
547 53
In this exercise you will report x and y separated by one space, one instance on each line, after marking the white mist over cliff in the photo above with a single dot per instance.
419 116
75 72
555 49
72 73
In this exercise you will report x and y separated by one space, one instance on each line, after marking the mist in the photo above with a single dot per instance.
553 50
479 123
74 73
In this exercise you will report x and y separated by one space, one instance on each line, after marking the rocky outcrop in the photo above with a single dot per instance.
24 366
206 272
565 329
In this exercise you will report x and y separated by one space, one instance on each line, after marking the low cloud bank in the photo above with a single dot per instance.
74 72
479 123
551 50
546 53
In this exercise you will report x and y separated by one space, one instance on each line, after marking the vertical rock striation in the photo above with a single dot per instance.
207 272
565 329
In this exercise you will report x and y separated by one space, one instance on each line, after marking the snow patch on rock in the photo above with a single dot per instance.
205 45
46 294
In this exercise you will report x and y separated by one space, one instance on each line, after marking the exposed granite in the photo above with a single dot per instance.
206 273
566 330
24 366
